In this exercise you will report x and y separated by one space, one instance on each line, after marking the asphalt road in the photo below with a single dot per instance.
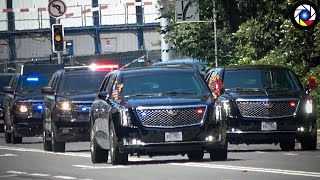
263 162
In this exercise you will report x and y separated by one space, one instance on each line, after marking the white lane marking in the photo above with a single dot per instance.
64 177
42 151
16 172
6 176
7 155
291 154
99 167
243 168
39 174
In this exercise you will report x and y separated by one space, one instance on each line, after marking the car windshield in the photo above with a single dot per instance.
260 79
163 84
4 81
84 82
31 83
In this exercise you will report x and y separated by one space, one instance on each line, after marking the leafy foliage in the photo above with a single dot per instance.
262 34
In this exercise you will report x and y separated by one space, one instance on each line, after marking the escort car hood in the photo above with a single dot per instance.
30 97
81 96
167 101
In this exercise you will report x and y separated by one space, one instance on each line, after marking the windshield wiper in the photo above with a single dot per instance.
177 92
70 92
244 89
142 94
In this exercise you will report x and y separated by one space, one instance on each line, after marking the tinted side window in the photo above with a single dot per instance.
110 83
104 84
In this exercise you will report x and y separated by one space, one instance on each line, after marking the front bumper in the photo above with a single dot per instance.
153 141
72 129
27 125
249 130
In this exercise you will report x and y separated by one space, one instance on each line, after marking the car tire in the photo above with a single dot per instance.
220 154
7 137
47 145
57 146
309 143
98 155
116 157
195 156
287 144
14 139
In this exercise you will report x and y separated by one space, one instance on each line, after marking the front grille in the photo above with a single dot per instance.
266 109
170 118
82 107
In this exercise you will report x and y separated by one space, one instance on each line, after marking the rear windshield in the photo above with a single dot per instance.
84 82
184 83
260 78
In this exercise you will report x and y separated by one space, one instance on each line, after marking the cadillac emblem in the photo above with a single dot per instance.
172 113
268 105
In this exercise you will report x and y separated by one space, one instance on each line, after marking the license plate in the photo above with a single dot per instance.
173 136
267 126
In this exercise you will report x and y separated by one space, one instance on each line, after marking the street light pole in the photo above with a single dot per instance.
166 52
215 33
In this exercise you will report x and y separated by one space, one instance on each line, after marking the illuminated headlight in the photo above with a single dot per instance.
309 106
125 117
23 108
65 105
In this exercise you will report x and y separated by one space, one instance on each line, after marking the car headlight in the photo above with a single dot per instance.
125 117
65 105
309 106
21 107
226 104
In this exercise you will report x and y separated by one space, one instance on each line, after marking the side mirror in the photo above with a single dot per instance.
47 90
103 95
7 89
312 83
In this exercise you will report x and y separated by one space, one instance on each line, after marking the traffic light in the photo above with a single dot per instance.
57 37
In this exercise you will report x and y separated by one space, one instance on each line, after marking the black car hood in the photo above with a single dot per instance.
255 94
166 101
81 96
31 97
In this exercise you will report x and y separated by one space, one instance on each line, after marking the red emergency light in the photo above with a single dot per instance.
104 66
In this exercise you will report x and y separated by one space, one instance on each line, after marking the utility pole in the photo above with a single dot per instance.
166 52
215 33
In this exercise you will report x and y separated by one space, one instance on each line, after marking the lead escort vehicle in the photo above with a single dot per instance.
155 111
68 98
4 81
265 104
23 101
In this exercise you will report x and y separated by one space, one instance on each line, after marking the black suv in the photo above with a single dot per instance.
265 104
4 81
68 98
155 111
23 101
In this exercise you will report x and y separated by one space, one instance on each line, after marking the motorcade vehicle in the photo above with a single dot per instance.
198 65
4 81
155 111
68 98
23 101
265 104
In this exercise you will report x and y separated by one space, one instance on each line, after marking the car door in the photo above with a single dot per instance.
49 102
107 106
96 115
9 101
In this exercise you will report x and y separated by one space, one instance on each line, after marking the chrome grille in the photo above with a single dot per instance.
266 109
170 118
